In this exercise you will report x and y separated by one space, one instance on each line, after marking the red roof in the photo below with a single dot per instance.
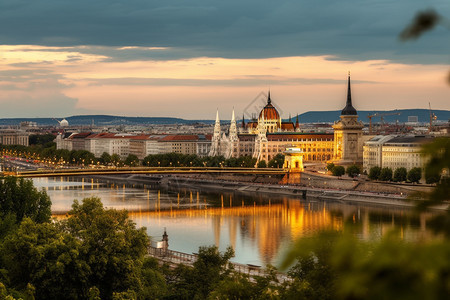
287 126
179 137
281 136
269 112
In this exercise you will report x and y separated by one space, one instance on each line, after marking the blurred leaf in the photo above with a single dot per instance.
423 21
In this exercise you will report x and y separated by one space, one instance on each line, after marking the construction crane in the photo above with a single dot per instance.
432 118
381 115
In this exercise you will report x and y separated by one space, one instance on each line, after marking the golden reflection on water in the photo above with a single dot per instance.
267 225
253 225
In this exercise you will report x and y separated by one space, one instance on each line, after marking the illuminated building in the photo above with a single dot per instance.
395 152
348 144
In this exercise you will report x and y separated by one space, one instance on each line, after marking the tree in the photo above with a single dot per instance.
335 265
330 166
374 173
132 160
277 161
353 171
338 171
385 174
110 245
414 175
43 256
19 198
262 164
41 139
105 158
115 159
197 282
400 174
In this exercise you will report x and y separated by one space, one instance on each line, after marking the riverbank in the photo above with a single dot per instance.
356 191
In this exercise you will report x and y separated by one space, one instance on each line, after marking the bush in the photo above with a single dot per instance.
385 174
414 175
400 174
374 173
262 164
330 166
353 171
432 175
277 161
338 171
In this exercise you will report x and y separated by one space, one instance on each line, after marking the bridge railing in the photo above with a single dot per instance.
177 257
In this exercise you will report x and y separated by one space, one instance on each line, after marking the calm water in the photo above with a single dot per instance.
259 228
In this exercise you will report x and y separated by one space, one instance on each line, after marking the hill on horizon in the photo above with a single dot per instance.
307 117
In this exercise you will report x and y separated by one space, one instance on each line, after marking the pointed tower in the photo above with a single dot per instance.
232 140
348 148
215 141
260 140
233 127
297 125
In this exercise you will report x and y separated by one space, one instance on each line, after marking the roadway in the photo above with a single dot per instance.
141 170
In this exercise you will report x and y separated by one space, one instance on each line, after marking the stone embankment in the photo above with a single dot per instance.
312 185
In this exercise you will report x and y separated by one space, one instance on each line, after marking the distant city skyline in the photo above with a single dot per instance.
187 59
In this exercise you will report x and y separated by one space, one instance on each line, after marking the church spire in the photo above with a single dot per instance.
243 121
217 117
296 123
349 109
269 101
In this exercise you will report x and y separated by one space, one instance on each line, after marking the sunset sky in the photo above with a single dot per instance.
187 58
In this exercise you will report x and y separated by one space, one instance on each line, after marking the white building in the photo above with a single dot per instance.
395 152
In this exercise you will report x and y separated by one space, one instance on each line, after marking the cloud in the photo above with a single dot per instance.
250 80
34 92
348 29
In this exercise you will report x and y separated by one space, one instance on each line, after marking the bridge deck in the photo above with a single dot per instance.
144 170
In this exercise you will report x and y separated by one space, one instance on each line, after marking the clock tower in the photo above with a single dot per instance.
348 148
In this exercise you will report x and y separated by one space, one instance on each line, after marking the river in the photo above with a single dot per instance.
259 227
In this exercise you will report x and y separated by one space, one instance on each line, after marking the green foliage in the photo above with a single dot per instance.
94 253
19 198
132 160
414 175
353 171
431 176
41 139
400 174
83 157
209 268
197 282
330 166
374 173
115 160
153 282
183 160
339 266
385 174
277 161
262 164
105 158
109 243
338 171
46 257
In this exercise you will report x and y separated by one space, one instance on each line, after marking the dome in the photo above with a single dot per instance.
64 123
269 111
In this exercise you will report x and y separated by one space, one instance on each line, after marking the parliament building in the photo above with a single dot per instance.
268 135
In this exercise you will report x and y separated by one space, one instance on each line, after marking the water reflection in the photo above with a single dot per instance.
258 227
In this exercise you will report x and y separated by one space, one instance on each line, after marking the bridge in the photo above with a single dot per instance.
144 170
